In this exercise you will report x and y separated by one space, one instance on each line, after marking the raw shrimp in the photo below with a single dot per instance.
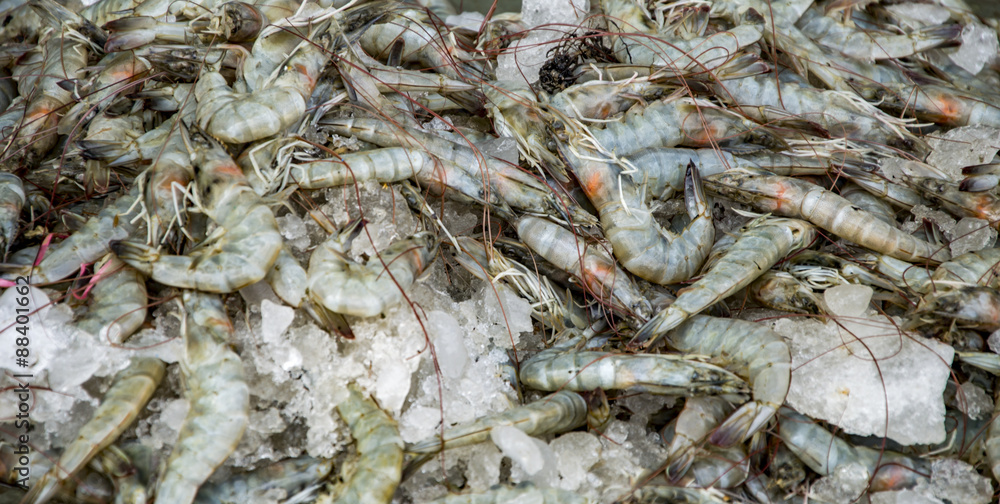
796 198
753 352
678 120
556 413
249 241
596 271
979 205
641 246
840 114
379 466
780 290
560 369
519 189
343 286
217 393
992 440
861 198
394 164
824 453
122 403
12 199
524 492
966 307
941 104
408 36
550 306
761 244
240 118
867 45
118 301
516 114
699 416
109 130
92 242
57 59
980 267
290 476
633 40
119 73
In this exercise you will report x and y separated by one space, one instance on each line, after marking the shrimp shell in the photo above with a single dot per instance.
380 451
753 352
219 398
791 197
559 412
118 302
823 452
762 244
123 402
658 374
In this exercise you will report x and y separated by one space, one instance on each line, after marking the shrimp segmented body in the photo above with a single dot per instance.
123 402
92 242
753 352
557 369
559 412
703 53
823 452
639 243
393 164
979 205
760 246
291 476
380 451
119 302
592 266
791 197
249 242
869 45
343 286
219 398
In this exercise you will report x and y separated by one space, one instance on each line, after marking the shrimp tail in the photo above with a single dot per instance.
657 326
980 178
678 466
749 418
138 255
946 35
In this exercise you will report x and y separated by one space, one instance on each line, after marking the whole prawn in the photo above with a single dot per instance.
559 368
343 286
249 242
791 197
219 398
380 451
121 405
761 244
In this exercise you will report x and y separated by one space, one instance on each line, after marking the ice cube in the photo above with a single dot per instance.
274 320
994 341
848 300
903 497
979 47
448 344
523 60
576 453
971 235
532 456
956 481
972 400
846 484
836 378
964 146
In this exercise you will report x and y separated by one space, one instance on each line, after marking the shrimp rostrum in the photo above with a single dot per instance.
244 246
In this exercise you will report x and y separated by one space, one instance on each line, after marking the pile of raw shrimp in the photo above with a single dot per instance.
385 251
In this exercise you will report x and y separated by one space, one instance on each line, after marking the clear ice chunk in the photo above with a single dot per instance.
836 378
846 484
848 300
576 453
523 59
532 456
971 235
979 47
964 146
